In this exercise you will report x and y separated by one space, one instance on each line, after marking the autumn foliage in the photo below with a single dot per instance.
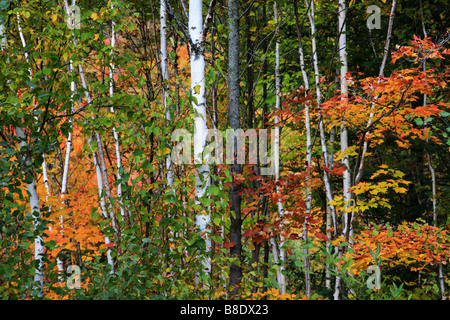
133 234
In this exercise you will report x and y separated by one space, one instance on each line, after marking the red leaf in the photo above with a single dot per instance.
320 235
250 233
336 169
228 245
289 251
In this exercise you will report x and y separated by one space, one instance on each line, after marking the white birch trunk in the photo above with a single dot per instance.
65 175
64 184
346 179
165 82
35 210
115 134
102 203
197 57
39 248
104 170
282 254
45 178
66 167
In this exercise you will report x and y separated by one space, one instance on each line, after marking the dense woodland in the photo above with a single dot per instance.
355 103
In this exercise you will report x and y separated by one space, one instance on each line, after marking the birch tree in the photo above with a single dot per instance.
119 166
278 250
342 49
39 248
198 89
165 81
27 165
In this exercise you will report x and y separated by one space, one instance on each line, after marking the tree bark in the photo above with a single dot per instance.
27 165
165 82
39 248
276 156
346 179
202 179
119 165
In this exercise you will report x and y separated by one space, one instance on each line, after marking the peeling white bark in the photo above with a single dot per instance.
197 57
165 82
346 179
119 165
39 248
282 254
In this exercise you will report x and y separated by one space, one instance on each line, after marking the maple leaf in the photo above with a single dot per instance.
321 236
250 233
336 169
228 245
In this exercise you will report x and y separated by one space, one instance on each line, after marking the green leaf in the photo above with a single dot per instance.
50 244
390 233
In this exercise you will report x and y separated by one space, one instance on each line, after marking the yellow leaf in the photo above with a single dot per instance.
197 89
94 16
400 190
